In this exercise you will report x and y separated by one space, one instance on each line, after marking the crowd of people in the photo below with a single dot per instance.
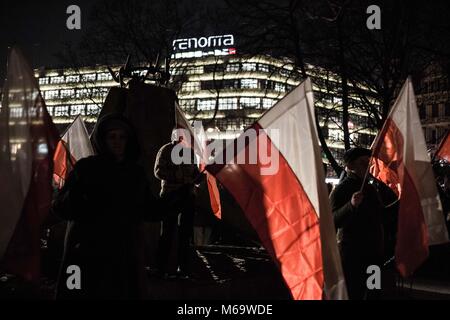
107 197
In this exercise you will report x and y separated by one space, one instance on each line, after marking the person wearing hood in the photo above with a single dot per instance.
105 199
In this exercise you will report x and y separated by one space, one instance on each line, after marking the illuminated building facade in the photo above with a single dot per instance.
215 84
433 100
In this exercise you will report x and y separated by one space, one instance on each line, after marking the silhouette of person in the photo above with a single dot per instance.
178 190
105 199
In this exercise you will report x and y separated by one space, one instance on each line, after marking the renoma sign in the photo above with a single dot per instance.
204 46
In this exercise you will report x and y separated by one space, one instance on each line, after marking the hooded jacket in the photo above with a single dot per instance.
105 203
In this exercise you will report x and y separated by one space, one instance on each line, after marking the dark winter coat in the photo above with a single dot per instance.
105 203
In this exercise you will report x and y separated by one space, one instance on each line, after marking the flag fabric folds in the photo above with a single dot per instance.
443 151
28 139
288 207
73 146
401 161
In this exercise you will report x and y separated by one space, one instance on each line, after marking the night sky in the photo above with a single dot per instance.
39 29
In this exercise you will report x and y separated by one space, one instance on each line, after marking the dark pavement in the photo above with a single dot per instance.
225 272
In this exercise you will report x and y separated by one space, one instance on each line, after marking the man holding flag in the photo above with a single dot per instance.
359 215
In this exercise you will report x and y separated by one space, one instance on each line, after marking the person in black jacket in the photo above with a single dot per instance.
105 199
359 214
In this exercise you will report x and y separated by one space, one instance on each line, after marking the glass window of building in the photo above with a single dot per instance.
335 135
73 78
187 104
83 93
228 104
280 87
267 103
51 94
233 67
250 103
61 111
55 80
50 110
195 70
191 86
206 104
92 109
247 66
100 92
263 67
43 80
231 84
249 83
88 77
104 76
67 93
77 109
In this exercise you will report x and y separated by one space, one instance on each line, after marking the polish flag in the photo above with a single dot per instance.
443 151
283 194
197 141
401 161
73 146
28 140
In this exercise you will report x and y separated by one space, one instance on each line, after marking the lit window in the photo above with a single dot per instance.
280 87
51 94
61 111
191 86
100 92
57 79
267 103
50 110
104 76
228 104
187 104
263 67
334 135
250 103
67 93
70 79
43 80
249 66
77 109
233 67
88 77
195 70
205 105
92 109
83 93
249 84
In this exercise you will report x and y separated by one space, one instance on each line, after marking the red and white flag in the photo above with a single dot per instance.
443 151
28 139
197 141
73 146
401 161
283 194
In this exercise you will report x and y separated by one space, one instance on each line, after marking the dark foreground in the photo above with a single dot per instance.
238 273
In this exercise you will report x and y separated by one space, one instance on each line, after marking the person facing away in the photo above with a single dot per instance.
358 217
178 192
105 199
